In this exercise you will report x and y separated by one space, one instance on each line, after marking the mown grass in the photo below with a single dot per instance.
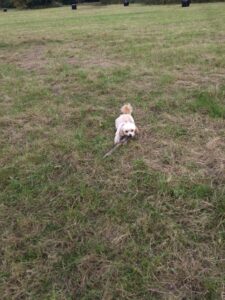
147 222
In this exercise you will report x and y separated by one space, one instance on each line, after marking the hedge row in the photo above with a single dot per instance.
153 2
50 3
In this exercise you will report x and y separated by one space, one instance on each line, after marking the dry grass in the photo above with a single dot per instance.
147 222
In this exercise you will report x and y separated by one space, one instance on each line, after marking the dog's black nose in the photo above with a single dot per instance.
130 135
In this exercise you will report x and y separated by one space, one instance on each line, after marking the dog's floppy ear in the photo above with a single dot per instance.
121 132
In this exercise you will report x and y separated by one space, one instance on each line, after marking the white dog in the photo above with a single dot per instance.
125 125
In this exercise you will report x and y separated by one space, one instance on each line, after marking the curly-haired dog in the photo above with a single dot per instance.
125 125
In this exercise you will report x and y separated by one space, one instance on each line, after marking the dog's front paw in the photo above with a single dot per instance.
117 139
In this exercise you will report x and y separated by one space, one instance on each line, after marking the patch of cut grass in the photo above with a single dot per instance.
207 103
4 45
196 191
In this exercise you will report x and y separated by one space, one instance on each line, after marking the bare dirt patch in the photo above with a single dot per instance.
199 154
192 78
95 61
32 59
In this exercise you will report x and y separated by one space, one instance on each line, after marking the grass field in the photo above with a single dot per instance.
148 222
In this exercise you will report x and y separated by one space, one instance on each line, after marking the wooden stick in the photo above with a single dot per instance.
123 141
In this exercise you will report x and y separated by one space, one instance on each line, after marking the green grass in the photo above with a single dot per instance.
209 104
147 222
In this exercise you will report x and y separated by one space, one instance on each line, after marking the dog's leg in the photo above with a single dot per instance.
117 137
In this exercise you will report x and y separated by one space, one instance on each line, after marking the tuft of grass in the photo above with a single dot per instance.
207 103
196 191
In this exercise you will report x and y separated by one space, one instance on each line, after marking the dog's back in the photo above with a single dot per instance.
126 117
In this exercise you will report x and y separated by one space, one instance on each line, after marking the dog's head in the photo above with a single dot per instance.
128 129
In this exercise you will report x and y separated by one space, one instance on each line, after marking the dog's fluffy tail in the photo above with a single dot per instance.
127 109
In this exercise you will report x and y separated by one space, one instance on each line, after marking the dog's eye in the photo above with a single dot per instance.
132 130
126 131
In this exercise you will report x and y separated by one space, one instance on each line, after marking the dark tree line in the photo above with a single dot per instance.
33 3
50 3
153 2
